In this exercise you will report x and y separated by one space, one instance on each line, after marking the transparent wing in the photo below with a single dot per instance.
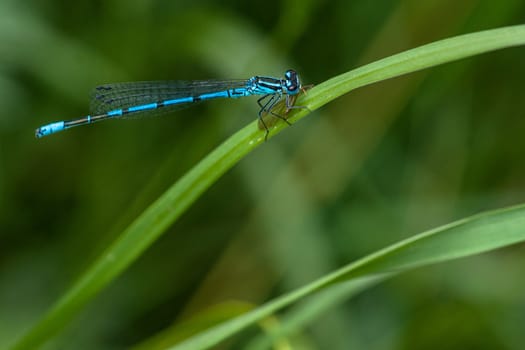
110 97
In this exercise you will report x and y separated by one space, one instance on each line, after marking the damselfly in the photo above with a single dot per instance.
128 100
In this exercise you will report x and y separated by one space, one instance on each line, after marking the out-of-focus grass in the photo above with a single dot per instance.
463 238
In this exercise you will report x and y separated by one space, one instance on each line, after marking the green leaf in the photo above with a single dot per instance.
474 235
146 228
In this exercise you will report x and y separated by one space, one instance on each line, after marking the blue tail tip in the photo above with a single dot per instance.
49 129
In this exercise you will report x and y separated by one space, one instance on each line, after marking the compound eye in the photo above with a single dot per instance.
290 74
291 85
292 81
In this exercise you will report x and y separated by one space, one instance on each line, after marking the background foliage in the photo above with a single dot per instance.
376 166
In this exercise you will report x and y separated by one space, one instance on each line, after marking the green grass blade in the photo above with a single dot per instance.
474 235
143 232
426 56
309 309
174 202
410 61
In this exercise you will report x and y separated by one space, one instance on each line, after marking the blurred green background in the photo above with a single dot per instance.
378 165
